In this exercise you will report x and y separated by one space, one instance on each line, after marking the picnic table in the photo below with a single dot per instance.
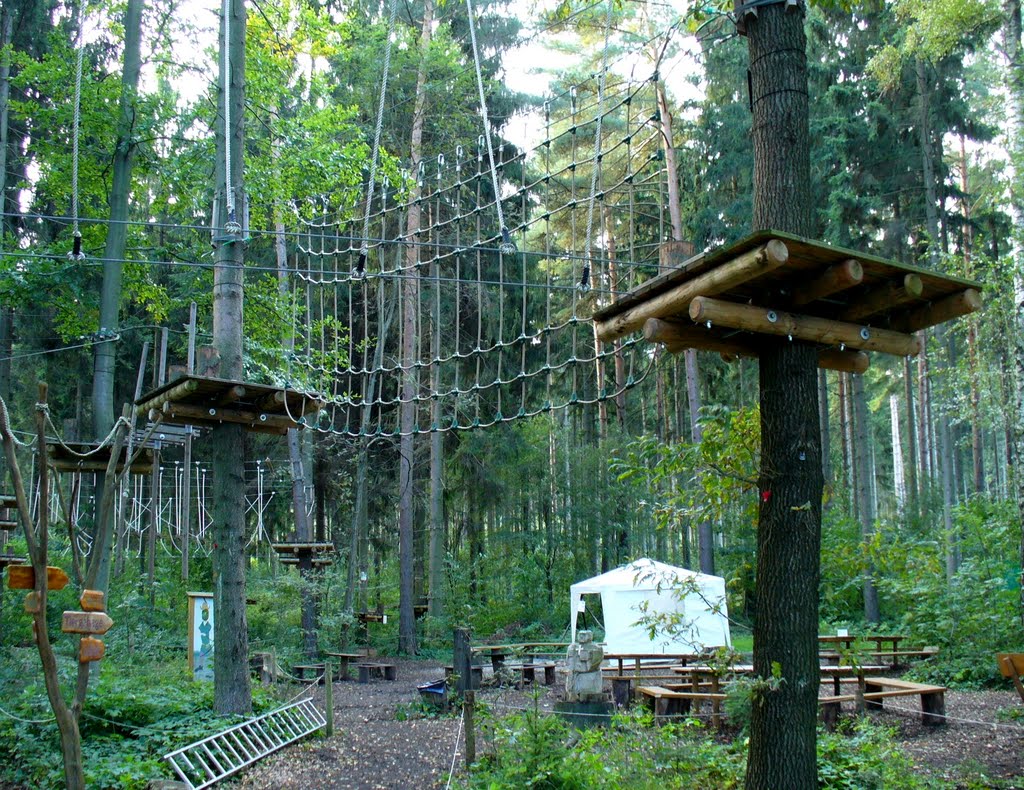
343 662
667 659
844 642
498 653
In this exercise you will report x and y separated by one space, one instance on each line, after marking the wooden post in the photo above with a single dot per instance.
468 709
462 661
329 696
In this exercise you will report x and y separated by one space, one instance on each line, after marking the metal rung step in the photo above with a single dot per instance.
207 761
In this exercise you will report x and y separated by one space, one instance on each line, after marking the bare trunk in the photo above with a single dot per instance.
865 500
784 719
410 306
232 690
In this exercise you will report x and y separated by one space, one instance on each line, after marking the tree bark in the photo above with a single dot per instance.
410 307
865 500
784 715
232 690
1014 82
6 313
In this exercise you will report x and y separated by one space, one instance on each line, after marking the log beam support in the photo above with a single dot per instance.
680 337
940 311
832 281
808 328
885 297
748 266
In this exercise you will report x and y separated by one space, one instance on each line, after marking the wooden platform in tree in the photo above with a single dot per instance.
298 548
776 284
317 562
164 434
85 457
8 501
370 617
199 400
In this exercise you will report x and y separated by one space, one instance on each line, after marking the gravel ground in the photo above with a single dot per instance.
373 747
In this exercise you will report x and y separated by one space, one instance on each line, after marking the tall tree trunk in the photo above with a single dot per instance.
945 449
104 354
6 313
913 492
303 533
410 305
785 714
232 690
865 500
1014 82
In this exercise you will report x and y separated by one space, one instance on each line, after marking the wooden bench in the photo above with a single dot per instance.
1011 665
623 685
527 672
301 670
677 701
380 668
933 699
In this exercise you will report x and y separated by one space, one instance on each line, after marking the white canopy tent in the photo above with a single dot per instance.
645 588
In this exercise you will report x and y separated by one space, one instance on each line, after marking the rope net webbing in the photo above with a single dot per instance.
500 336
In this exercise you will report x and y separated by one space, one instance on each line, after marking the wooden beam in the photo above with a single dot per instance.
749 265
272 402
833 280
210 415
815 330
231 395
177 391
884 297
679 337
938 312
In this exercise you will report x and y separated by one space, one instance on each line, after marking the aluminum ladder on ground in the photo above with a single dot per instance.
206 762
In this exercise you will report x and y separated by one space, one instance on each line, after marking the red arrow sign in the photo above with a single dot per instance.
86 623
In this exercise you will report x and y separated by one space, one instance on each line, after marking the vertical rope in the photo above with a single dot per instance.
364 242
506 246
231 226
584 284
76 253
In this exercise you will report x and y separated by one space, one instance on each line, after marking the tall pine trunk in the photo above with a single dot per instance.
232 690
784 715
410 308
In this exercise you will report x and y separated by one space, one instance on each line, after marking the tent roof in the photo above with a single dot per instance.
642 574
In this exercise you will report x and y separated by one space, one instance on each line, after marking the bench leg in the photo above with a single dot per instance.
870 688
364 673
528 674
549 676
933 709
829 715
497 661
390 672
620 692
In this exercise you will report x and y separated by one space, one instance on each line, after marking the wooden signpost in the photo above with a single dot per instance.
86 623
90 649
23 577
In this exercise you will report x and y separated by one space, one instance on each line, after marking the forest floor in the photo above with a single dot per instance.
380 743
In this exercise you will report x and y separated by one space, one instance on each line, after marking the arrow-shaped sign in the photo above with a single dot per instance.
86 623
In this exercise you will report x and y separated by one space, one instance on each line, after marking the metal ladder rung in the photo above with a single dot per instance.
213 758
205 762
202 764
197 772
247 754
244 732
224 745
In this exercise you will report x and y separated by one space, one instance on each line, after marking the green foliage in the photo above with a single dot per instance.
137 711
865 757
